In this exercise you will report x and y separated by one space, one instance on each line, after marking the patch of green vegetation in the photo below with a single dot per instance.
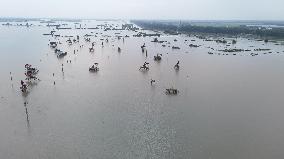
230 28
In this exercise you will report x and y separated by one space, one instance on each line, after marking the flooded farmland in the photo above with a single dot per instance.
229 102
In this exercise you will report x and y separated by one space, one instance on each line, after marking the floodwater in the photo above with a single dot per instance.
227 107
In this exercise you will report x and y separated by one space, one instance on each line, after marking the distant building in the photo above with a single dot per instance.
127 26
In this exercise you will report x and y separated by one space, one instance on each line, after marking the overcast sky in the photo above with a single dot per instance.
146 9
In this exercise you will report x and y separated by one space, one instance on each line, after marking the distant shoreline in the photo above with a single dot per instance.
264 30
274 22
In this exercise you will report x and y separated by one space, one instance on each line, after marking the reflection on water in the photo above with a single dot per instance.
227 106
27 114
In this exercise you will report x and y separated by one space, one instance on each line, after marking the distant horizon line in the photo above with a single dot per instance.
162 19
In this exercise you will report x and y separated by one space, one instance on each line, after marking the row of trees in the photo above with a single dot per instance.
188 28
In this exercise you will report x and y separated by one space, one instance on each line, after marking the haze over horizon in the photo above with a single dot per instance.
146 9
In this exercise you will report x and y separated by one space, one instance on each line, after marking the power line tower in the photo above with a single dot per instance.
179 26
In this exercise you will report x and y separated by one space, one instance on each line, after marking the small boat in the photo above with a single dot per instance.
69 41
145 66
172 91
94 68
61 54
175 47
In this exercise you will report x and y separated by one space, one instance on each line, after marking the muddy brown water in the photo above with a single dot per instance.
227 106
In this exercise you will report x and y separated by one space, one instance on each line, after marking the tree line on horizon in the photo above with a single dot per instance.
264 32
